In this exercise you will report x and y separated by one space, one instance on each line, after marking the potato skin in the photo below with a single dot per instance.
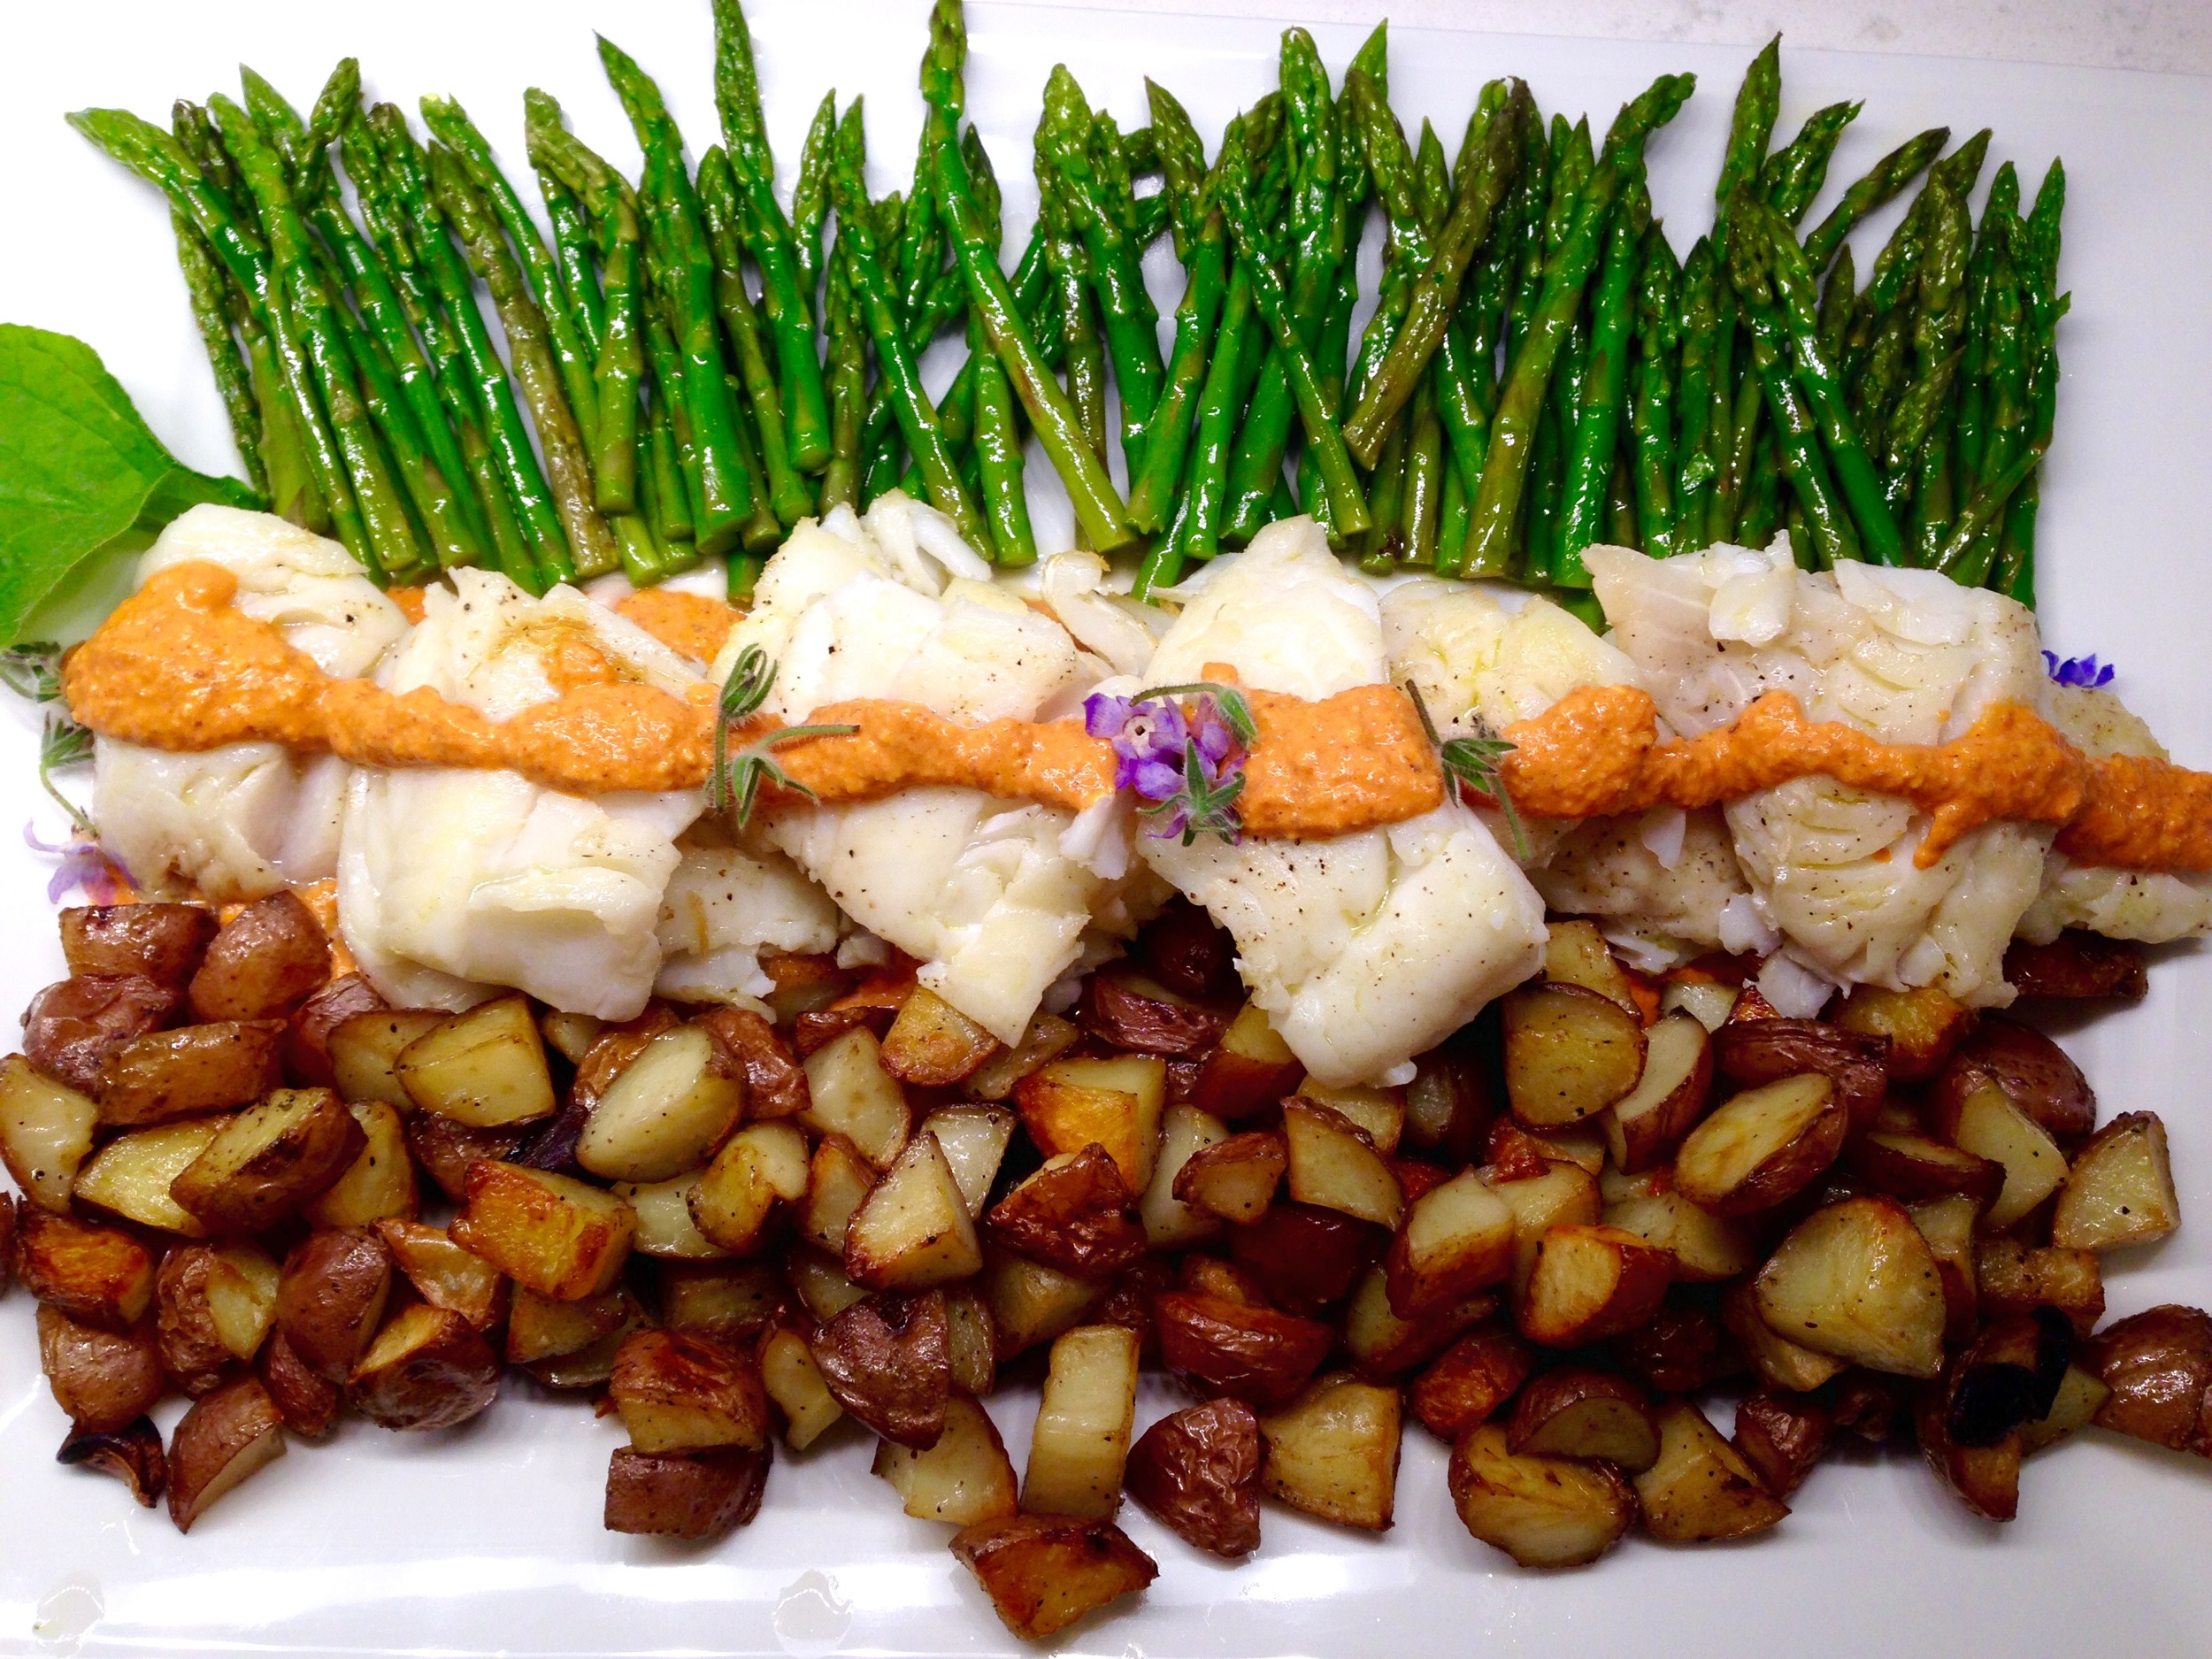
316 1139
307 1039
449 1375
1781 1436
308 1403
2076 965
1117 1007
266 961
1045 1572
104 1380
2034 1072
2158 1364
222 1439
332 1296
1257 1355
132 1455
165 942
445 1150
73 1025
1198 1470
1074 1217
7 1240
206 1068
1190 952
888 1360
1469 1382
675 1494
1751 1052
775 1082
1306 1258
191 1351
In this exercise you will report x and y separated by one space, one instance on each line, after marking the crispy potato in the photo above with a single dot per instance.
1985 1478
1210 1276
7 1240
973 1135
1922 1026
679 1494
667 1112
1645 1125
1257 1355
241 1287
682 1393
1779 1363
1579 1411
1705 1247
1589 1282
2121 1189
1750 1053
1198 1471
2034 1072
1762 1146
99 1276
1683 1350
161 942
428 1369
133 1455
1072 1214
1700 1489
965 1479
1084 1423
73 1026
485 1069
762 1165
775 1083
2077 964
1333 1452
222 1439
1234 1178
558 1236
182 1073
45 1133
1117 1103
913 1231
363 1048
1582 1145
2014 1278
1383 1346
1333 1164
886 1358
1949 1226
443 1274
838 1180
819 1280
542 1327
447 1150
131 1176
1030 1303
2007 1378
1047 1038
1470 1380
1570 1053
193 1351
1551 1193
269 1160
1984 1122
2158 1364
1378 1113
1457 1238
1781 1436
591 1366
970 1340
1871 1405
802 982
1169 1224
793 1382
1250 1068
1449 1104
308 1403
1913 1168
1855 1280
1542 1511
2080 1395
666 1230
1126 1008
331 1298
572 1035
1576 953
1042 1572
932 1044
104 1379
851 1094
379 1184
724 1301
267 960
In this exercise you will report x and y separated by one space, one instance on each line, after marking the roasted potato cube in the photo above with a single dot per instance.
105 1380
1985 1122
364 1047
45 1133
1645 1125
428 1369
1700 1489
1072 1214
838 1180
793 1382
132 1455
2034 1072
1304 1258
1042 1572
2007 1378
1685 1348
1855 1280
189 1072
1469 1382
1047 1038
1706 1248
1763 1146
973 1136
558 1236
223 1438
1450 1104
542 1327
448 1150
1457 1238
193 1351
2077 964
1985 1478
802 982
71 1027
2121 1189
1117 1103
1555 1193
161 942
1947 1225
266 961
308 1403
932 1044
1168 1223
1257 1355
666 1230
681 1394
819 1280
965 1479
1579 1411
1084 1423
1126 1008
1383 1346
1250 1068
1570 1053
269 1160
1751 1053
913 1231
1198 1471
1590 1282
1542 1511
307 1037
775 1083
379 1184
242 1286
1234 1178
99 1276
2013 1278
443 1274
667 1113
1188 952
683 1494
2158 1364
1030 1303
484 1069
721 1299
131 1176
851 1094
1333 1164
1576 954
1922 1026
1333 1452
1780 1362
2074 1407
331 1298
1914 1169
972 1340
888 1360
1781 1436
760 1167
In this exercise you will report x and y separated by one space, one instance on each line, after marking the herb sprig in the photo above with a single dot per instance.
1472 764
733 783
32 671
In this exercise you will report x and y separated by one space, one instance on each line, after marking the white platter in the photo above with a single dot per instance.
488 1540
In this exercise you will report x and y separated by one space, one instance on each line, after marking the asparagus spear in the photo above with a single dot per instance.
997 433
207 287
1658 342
1202 242
1793 175
1694 473
1421 500
1881 183
1597 428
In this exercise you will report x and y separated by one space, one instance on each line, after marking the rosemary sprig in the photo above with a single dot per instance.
733 783
1472 763
1235 707
1207 809
32 671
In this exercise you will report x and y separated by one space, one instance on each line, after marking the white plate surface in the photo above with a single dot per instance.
488 1540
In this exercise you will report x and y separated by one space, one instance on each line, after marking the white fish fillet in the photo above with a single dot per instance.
723 907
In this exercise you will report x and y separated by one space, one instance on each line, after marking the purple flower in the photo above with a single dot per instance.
1158 745
83 865
2084 672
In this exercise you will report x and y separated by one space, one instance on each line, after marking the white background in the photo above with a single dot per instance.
489 1540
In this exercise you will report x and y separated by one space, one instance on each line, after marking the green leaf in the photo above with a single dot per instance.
81 473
